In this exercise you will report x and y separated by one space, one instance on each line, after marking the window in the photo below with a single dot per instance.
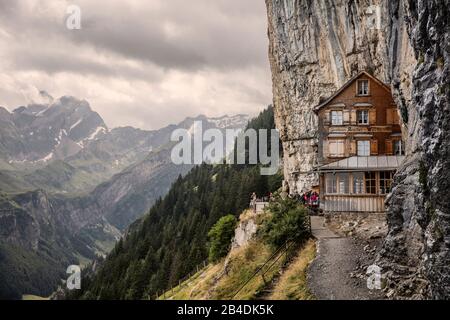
363 117
337 183
371 182
331 183
386 178
336 148
363 148
358 183
399 148
343 182
363 87
337 118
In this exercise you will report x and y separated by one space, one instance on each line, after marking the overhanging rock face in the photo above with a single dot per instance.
315 47
416 253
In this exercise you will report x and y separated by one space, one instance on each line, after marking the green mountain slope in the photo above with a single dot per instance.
38 243
39 272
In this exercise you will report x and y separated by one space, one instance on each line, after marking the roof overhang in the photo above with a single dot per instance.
372 163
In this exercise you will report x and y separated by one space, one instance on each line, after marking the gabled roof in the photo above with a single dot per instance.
349 83
371 163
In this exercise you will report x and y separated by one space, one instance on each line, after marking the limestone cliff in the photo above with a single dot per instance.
315 47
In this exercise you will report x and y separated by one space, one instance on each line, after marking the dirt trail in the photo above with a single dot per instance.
338 272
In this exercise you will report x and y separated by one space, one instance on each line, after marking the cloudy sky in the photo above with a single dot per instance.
142 63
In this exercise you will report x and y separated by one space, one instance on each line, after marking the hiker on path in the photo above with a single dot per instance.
314 199
306 198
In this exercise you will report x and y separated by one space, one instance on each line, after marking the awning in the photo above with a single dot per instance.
372 163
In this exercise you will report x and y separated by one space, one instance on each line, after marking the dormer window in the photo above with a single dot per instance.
363 87
337 118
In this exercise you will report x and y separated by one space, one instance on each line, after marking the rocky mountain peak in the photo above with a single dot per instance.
39 133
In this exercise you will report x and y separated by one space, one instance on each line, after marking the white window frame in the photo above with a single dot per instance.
343 183
371 184
337 118
359 88
365 116
401 149
363 148
359 186
331 183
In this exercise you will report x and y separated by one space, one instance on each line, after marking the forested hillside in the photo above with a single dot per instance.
171 240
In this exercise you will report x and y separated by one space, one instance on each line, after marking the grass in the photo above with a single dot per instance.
212 283
33 297
243 263
292 284
195 287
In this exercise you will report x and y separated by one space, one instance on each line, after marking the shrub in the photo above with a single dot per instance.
288 220
220 237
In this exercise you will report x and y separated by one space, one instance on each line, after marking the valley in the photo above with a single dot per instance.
70 187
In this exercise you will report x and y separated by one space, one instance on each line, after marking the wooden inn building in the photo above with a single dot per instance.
360 146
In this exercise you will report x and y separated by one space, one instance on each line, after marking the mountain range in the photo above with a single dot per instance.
70 186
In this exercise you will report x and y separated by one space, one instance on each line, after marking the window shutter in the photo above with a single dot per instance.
373 117
326 118
389 116
347 148
346 116
374 147
395 117
353 117
332 148
352 147
389 147
341 148
326 149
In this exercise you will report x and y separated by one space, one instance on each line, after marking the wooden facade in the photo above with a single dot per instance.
359 122
341 203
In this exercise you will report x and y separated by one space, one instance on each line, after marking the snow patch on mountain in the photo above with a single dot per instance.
226 121
46 158
75 124
96 132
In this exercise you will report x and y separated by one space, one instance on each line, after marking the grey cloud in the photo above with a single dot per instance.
137 41
7 7
213 34
135 59
55 61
